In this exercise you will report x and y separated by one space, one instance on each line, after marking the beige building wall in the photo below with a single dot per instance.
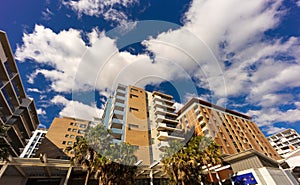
233 131
136 130
62 134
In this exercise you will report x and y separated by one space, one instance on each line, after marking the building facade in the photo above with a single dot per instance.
233 131
62 134
33 144
144 119
285 142
17 111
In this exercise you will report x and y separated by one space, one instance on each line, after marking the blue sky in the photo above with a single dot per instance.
243 55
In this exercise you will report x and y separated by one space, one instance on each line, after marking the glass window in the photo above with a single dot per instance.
69 142
69 129
74 130
82 126
67 135
71 123
81 131
64 142
72 136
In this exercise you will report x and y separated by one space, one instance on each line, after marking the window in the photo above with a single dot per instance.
80 131
82 126
67 135
74 130
130 126
69 143
133 90
72 136
76 124
64 142
133 96
69 129
131 109
71 123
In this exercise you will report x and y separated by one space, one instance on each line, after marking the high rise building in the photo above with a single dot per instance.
285 141
33 144
233 131
62 134
144 119
17 111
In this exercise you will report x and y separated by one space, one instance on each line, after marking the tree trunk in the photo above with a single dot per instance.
209 174
87 177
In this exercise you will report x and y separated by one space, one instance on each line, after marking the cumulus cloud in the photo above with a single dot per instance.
247 63
106 8
221 47
41 111
76 109
272 130
34 90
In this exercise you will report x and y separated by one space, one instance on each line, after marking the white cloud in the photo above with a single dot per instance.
40 111
256 67
213 32
76 109
61 51
298 3
34 90
46 15
101 8
273 130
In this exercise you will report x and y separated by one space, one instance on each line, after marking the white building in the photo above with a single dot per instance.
33 144
285 142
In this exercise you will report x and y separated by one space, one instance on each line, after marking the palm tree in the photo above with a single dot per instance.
84 156
185 166
98 154
4 147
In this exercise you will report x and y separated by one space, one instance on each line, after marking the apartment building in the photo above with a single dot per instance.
33 144
285 141
233 131
17 111
62 134
144 119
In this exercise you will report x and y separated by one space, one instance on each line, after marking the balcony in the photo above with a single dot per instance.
120 92
117 123
116 133
165 119
119 106
163 136
162 111
164 105
118 114
163 145
166 126
162 99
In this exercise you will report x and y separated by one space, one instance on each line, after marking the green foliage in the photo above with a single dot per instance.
183 164
111 163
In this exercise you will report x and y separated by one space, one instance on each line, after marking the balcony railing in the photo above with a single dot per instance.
165 119
162 99
169 135
116 123
163 145
166 126
162 111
